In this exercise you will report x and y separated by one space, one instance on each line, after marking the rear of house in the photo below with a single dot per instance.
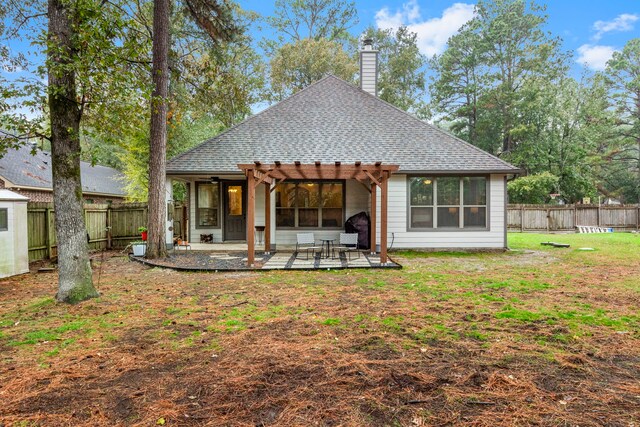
333 150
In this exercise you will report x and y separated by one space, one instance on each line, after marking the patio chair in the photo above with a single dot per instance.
348 244
306 241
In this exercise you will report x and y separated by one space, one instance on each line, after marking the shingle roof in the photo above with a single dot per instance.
22 169
332 120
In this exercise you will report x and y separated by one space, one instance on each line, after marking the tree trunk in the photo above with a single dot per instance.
156 244
75 282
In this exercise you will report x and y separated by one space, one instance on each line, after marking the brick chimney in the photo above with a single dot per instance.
369 68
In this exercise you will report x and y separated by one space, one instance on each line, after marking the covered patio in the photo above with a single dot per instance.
371 176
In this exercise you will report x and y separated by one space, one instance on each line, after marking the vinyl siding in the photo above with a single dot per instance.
369 71
463 239
358 200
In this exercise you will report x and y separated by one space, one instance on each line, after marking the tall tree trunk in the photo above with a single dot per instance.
75 282
156 244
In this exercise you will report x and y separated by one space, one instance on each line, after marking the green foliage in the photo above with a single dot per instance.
532 188
294 20
401 66
622 155
296 65
483 79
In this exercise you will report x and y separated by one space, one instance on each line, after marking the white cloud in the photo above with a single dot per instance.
623 22
432 33
594 56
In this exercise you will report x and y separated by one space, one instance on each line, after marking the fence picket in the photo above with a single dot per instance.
108 226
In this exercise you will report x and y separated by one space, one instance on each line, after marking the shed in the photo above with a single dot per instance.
14 240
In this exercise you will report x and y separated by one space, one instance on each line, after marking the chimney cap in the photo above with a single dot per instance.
368 43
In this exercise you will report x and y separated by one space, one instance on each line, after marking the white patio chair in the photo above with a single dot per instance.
306 241
348 244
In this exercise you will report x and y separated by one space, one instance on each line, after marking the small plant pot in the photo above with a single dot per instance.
139 249
144 236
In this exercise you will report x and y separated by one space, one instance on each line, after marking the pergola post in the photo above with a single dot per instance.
373 218
384 198
251 218
267 218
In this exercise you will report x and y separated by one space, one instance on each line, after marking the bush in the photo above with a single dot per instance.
534 189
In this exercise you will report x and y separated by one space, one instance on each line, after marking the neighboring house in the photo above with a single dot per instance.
30 175
333 150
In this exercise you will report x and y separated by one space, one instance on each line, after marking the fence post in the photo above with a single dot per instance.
47 219
521 218
109 243
548 219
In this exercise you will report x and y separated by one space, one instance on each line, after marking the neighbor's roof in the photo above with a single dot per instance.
23 170
332 120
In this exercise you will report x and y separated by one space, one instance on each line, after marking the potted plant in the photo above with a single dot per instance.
139 248
143 232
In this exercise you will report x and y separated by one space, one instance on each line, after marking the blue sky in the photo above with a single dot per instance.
593 29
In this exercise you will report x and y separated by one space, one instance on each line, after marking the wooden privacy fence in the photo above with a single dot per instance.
108 226
567 217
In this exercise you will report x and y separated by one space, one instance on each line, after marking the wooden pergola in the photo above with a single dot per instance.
371 176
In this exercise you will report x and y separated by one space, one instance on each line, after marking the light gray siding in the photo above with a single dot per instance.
463 239
369 71
358 199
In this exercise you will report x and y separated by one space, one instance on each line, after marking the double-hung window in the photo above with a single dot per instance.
449 202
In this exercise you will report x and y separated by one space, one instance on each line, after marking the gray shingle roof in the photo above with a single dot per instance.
332 120
22 169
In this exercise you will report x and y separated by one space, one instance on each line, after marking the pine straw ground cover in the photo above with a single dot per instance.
538 336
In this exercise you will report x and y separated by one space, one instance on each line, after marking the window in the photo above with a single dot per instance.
4 219
207 205
448 190
475 202
310 204
421 203
447 202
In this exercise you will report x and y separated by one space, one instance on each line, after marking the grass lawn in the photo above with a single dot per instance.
538 335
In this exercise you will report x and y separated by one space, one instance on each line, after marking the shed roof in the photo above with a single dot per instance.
332 120
10 196
23 169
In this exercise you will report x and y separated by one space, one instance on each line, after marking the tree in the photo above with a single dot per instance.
156 243
216 19
459 83
534 189
486 77
401 69
623 79
297 65
295 20
75 278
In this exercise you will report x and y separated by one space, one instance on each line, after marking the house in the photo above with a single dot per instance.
333 150
29 174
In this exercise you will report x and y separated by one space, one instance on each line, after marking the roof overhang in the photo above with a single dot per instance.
464 172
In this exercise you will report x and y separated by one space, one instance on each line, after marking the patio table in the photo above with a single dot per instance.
329 242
